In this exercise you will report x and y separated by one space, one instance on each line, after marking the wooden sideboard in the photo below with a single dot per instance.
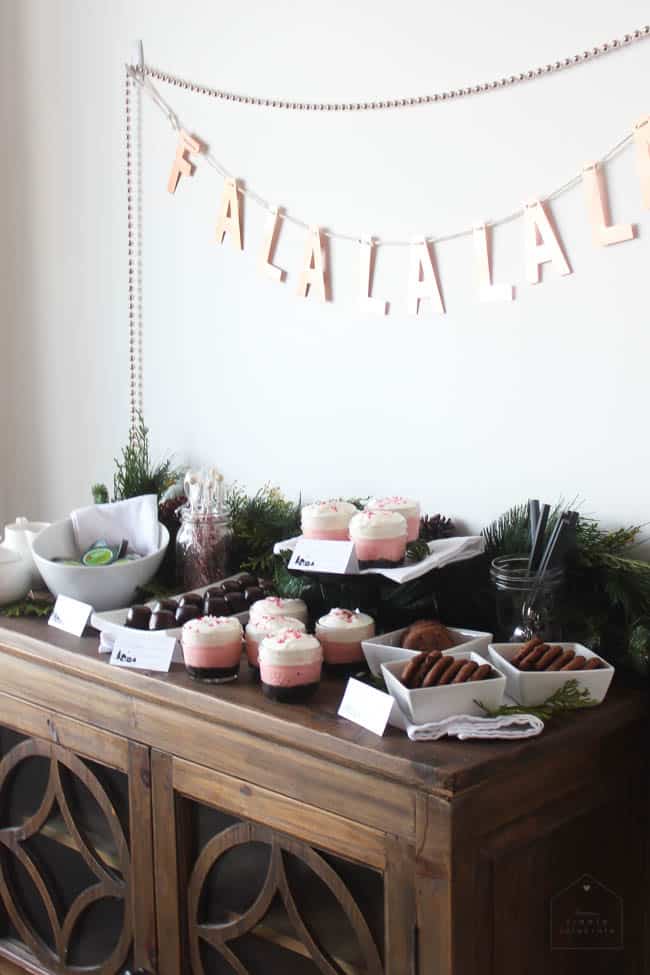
149 822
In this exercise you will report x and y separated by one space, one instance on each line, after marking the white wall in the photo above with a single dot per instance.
471 411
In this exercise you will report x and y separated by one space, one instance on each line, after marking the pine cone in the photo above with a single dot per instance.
436 526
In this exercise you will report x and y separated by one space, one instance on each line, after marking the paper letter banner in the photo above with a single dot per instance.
541 243
375 306
423 281
266 256
181 165
313 277
604 233
642 140
229 220
486 290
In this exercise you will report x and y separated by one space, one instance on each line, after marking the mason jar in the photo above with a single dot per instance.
525 604
202 548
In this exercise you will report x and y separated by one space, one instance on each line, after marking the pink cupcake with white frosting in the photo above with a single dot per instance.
406 507
262 626
379 539
275 606
340 633
328 520
290 665
212 648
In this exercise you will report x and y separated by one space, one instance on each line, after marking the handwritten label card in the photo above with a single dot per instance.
367 706
143 652
320 555
70 615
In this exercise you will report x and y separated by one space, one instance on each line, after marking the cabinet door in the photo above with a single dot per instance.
249 881
76 872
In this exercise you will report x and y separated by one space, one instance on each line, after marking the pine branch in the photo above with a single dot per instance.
569 697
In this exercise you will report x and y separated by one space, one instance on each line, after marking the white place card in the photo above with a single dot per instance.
70 615
367 706
150 652
321 555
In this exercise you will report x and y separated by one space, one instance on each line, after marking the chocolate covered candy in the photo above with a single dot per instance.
163 620
186 613
235 602
191 599
138 618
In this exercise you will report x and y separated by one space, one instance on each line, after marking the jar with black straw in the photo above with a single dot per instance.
527 586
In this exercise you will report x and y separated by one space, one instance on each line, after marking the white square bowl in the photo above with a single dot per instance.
388 646
531 688
424 704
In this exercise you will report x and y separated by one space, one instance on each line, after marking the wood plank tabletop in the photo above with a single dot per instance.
445 767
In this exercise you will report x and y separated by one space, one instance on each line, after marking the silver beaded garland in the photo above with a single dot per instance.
586 55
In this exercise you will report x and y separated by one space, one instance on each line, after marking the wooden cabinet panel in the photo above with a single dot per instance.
75 846
247 879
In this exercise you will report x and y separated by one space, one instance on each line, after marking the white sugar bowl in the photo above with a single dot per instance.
19 537
15 576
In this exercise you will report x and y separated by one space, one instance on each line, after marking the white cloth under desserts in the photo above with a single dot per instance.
442 552
465 726
135 519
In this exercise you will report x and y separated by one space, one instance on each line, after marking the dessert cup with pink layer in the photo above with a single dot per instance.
328 520
406 507
340 633
262 626
290 665
212 648
379 539
275 606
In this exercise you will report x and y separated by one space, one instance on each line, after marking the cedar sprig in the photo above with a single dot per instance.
569 697
258 522
134 472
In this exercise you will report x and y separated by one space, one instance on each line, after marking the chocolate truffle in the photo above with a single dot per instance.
138 618
186 613
215 604
169 604
247 579
252 594
236 602
191 599
162 620
231 585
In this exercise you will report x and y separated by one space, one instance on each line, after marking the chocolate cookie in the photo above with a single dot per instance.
427 635
550 654
450 672
594 663
525 650
560 663
576 664
482 673
531 658
436 672
465 672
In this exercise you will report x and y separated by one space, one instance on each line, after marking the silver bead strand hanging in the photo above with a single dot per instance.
133 262
505 82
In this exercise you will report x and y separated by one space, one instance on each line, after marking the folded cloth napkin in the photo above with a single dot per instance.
464 726
135 519
442 552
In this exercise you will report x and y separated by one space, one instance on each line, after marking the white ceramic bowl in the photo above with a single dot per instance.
102 587
531 688
388 646
15 576
424 704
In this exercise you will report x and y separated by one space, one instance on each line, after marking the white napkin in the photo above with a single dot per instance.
442 552
135 519
464 726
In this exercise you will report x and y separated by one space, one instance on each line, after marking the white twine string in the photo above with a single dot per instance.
155 96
